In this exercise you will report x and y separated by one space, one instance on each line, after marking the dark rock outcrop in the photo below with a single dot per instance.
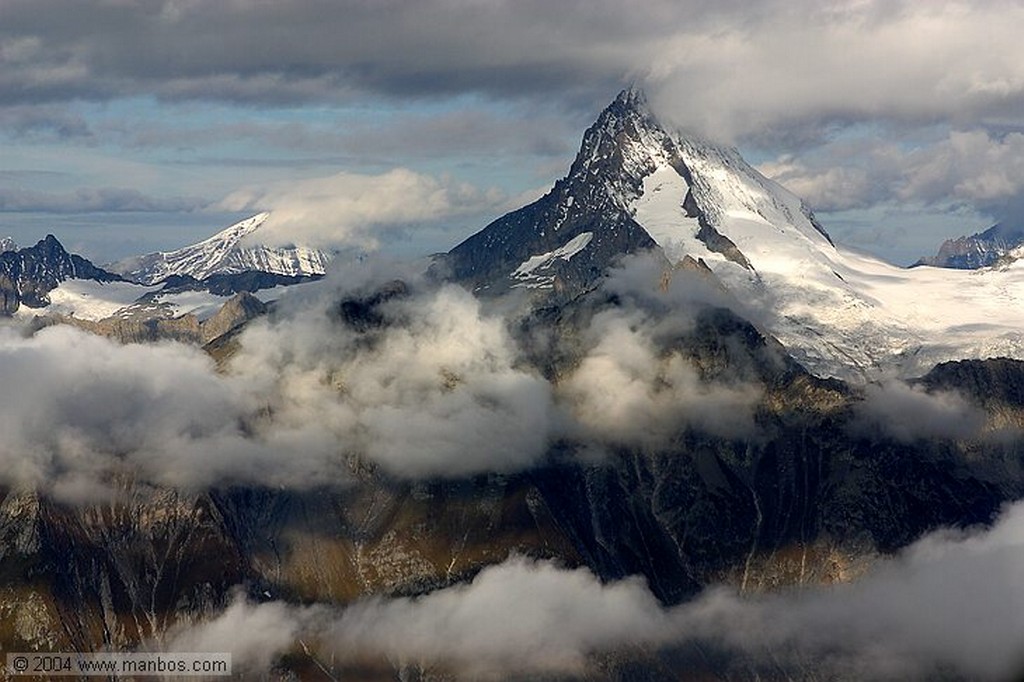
977 250
28 275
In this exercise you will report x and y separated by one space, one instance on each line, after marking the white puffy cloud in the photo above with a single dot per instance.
626 391
520 615
255 635
352 209
908 413
88 411
432 388
632 386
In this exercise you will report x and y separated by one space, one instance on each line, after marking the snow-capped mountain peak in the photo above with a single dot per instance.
232 250
638 185
7 244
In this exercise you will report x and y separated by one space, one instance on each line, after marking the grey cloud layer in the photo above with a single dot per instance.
964 166
769 74
734 67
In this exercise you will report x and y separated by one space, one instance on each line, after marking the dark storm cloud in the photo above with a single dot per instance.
275 52
93 200
730 67
767 73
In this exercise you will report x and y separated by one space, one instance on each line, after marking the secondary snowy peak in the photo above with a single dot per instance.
7 244
233 250
999 243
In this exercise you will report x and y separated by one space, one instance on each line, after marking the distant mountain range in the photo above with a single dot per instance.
158 295
998 244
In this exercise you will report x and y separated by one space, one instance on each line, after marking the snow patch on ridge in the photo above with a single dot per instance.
87 299
529 271
660 212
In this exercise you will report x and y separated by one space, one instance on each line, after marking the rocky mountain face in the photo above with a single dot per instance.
979 250
813 500
28 275
231 251
603 208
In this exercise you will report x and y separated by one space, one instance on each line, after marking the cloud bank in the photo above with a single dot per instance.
373 364
421 385
951 603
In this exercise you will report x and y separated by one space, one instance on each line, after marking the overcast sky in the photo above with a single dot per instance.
128 125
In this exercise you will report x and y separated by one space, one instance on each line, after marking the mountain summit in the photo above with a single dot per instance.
233 250
637 185
634 185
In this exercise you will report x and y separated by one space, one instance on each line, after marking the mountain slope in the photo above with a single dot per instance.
636 185
227 252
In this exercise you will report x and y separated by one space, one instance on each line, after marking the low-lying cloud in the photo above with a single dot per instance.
908 413
628 392
89 413
429 387
952 603
373 364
